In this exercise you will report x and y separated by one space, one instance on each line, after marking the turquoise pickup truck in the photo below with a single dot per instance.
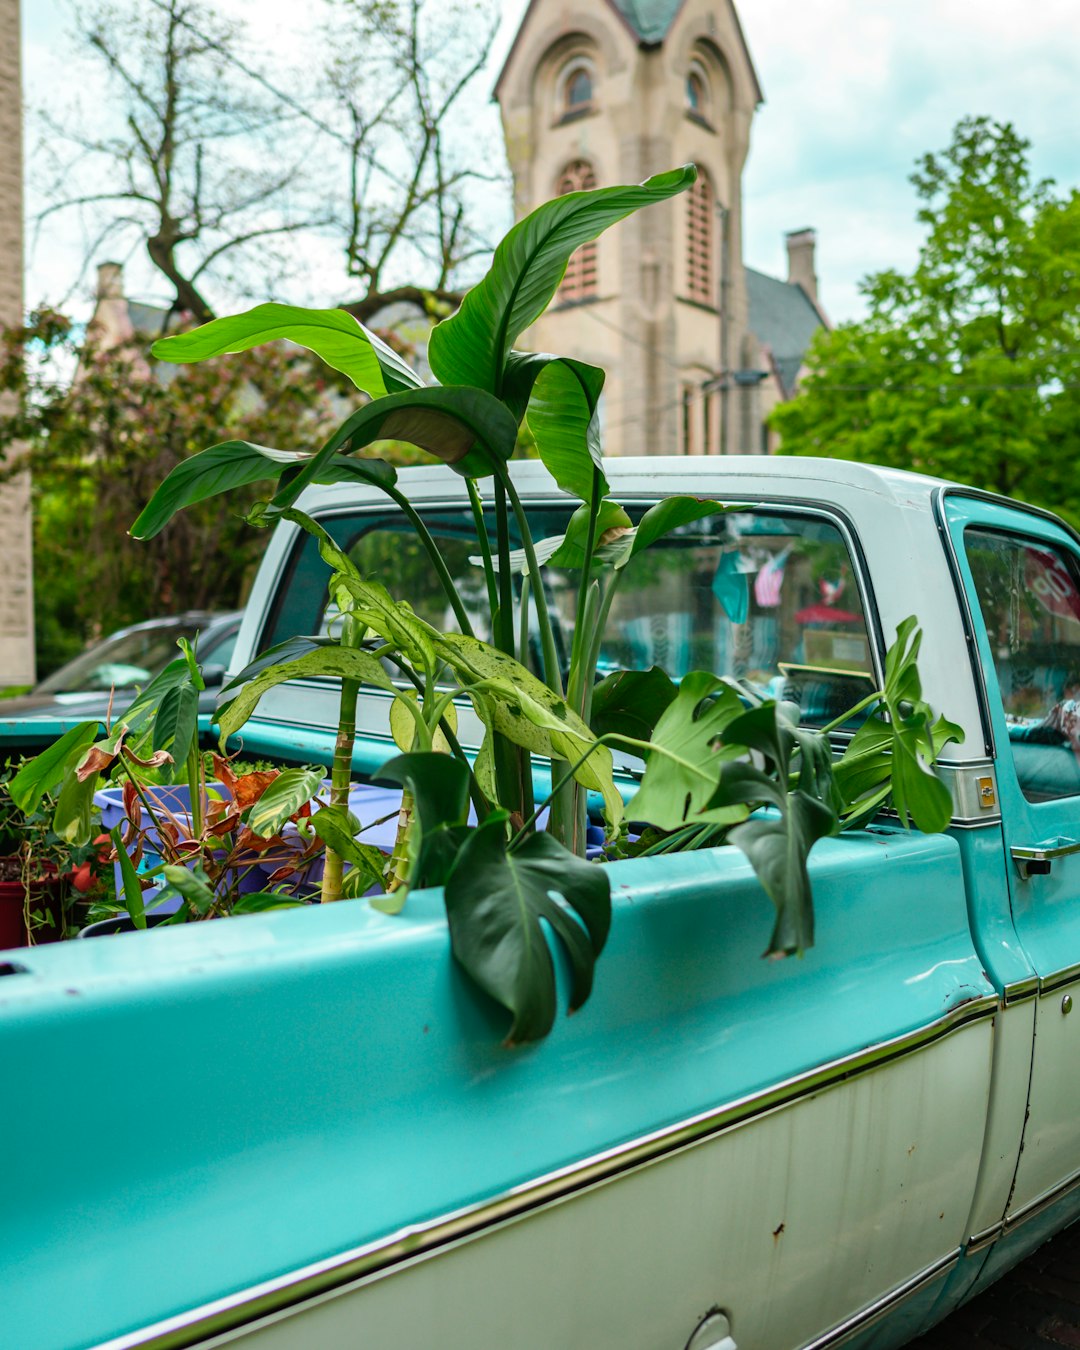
299 1129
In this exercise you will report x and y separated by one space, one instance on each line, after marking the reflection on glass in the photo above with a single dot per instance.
766 597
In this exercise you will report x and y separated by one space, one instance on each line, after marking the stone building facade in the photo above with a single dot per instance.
698 348
16 596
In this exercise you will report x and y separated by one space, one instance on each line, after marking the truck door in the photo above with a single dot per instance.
1021 572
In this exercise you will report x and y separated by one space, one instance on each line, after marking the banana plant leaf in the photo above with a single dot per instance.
495 901
472 347
466 428
668 515
232 464
560 398
332 334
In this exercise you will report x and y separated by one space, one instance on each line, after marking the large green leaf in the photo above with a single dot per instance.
472 347
440 791
778 845
668 515
344 663
370 861
45 771
332 334
514 703
393 620
463 427
610 516
631 702
686 753
289 791
562 397
129 878
495 901
280 654
892 752
234 464
176 725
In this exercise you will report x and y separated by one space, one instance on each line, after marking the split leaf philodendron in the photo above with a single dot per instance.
470 825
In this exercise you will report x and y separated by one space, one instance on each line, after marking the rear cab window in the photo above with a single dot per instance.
766 596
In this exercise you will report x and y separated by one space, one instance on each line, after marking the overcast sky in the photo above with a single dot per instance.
855 90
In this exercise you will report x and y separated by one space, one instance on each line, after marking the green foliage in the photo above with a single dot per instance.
969 366
96 442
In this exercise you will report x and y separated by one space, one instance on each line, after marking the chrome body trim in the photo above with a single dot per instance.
978 1241
379 1257
1019 991
982 696
865 1317
1057 978
1043 1202
974 792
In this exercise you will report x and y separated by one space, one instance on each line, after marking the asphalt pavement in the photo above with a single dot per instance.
1036 1306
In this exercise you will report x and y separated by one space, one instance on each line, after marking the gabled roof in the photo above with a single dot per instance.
783 318
648 20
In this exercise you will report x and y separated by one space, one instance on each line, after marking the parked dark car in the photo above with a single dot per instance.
117 668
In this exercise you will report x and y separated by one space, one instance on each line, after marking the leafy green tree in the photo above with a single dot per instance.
969 367
101 440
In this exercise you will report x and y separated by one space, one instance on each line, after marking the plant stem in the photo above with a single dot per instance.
341 773
485 545
552 676
875 697
503 635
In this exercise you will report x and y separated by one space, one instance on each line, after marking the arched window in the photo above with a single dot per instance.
575 90
579 279
697 92
699 240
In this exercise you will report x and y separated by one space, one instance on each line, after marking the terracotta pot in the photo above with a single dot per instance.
45 904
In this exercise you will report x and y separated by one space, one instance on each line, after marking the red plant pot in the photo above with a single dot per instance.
45 904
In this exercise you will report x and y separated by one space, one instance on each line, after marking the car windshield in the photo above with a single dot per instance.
120 662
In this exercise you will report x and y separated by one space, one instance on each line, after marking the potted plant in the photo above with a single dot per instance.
46 882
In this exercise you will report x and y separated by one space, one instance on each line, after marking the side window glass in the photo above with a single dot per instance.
768 598
1029 595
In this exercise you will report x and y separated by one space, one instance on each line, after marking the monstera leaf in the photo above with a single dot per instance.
778 845
631 702
495 900
892 755
685 756
332 334
472 347
440 792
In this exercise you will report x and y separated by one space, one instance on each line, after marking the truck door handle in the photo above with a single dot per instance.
1035 860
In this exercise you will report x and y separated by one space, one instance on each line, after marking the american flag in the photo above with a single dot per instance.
769 580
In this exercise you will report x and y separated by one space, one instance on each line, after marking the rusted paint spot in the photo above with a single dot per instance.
776 1232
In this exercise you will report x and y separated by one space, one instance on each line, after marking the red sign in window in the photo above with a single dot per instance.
1049 581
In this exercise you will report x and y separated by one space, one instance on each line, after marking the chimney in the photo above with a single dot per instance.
110 281
111 322
800 253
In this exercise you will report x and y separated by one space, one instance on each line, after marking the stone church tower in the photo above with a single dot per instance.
610 91
16 597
